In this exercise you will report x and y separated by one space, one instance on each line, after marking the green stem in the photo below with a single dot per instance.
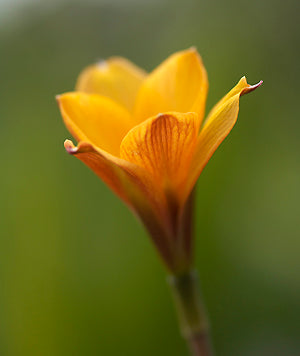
192 317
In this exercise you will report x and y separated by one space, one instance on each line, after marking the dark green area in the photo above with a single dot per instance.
78 275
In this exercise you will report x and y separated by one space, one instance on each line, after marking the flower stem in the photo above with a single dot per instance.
192 317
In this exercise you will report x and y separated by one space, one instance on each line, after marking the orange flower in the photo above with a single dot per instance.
143 136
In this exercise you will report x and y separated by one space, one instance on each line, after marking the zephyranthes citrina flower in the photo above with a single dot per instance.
144 136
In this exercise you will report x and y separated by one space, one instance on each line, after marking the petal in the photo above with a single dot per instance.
178 84
102 163
241 88
217 126
132 185
95 119
163 146
116 78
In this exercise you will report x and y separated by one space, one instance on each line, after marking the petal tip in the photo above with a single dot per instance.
250 88
69 146
102 64
258 84
193 49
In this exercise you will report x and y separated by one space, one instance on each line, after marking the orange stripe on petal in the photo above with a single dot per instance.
95 119
116 78
163 146
217 126
178 84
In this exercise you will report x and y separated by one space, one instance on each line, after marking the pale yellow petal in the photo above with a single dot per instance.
163 146
116 78
179 84
95 119
218 125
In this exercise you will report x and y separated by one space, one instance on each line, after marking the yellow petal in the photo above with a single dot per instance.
132 185
178 84
163 146
241 88
116 78
95 119
217 126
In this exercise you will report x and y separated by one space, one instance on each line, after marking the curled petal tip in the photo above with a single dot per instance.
70 148
57 97
82 147
250 88
256 85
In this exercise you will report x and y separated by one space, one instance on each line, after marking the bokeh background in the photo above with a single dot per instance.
78 274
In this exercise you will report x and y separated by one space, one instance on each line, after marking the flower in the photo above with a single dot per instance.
143 136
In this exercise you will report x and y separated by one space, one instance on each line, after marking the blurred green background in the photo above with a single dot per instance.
78 274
